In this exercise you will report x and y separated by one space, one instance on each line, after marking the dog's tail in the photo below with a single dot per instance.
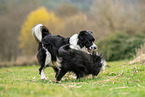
100 58
64 49
39 32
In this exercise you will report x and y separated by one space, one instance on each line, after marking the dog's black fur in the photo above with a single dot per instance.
51 43
85 39
79 62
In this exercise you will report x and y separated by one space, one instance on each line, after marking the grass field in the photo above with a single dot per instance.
118 80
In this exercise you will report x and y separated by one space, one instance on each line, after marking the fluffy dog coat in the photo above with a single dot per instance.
79 62
49 45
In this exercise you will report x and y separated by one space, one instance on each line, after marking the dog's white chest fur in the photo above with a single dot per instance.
73 41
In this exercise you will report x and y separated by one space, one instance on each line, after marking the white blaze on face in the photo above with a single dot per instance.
93 46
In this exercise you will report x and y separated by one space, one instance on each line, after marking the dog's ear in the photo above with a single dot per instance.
84 32
82 35
81 38
90 32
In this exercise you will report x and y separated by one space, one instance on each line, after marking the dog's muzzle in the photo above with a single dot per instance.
93 47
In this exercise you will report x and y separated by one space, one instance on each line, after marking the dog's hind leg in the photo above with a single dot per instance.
56 71
80 75
80 72
60 74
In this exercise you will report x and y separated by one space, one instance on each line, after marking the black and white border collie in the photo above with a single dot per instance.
79 62
49 45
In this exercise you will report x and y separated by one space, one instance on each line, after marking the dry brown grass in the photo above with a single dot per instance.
140 55
21 61
26 60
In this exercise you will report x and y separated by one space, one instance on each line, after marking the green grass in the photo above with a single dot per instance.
118 80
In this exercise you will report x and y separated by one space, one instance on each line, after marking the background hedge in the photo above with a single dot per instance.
121 45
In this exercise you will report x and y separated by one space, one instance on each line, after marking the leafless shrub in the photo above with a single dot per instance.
114 15
11 18
106 17
75 23
66 10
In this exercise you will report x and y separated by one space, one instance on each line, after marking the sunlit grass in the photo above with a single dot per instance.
120 79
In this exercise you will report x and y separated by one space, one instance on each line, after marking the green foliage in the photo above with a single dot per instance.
121 45
119 80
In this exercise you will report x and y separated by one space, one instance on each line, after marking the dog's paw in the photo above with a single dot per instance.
43 78
94 77
57 81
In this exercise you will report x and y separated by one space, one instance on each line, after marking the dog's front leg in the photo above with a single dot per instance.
60 74
80 75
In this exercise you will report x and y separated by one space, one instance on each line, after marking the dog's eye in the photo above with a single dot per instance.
93 40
